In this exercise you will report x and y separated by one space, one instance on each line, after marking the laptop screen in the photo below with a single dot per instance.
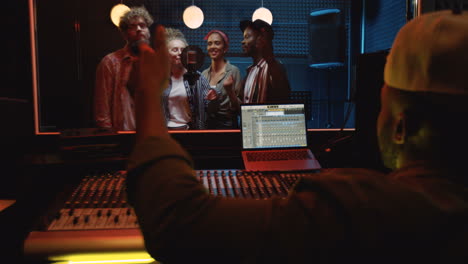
273 126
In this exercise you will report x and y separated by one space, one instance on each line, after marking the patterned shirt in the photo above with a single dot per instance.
113 102
266 81
196 95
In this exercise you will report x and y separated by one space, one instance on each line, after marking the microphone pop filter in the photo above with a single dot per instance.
192 58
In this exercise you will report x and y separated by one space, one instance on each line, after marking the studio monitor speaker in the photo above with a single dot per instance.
326 37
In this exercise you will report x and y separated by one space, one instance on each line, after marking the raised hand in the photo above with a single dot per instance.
153 69
211 95
154 65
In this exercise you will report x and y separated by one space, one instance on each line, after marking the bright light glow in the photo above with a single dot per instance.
114 261
263 14
117 11
193 17
102 258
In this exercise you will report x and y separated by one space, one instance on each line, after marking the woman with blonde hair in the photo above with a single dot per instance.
185 106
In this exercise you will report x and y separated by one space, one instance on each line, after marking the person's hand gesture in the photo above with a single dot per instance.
154 65
153 71
211 95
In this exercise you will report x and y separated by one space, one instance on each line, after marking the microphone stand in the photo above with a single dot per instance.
192 77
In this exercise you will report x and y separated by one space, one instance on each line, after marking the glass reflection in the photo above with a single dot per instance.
69 44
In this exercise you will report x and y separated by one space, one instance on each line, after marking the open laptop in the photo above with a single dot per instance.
274 138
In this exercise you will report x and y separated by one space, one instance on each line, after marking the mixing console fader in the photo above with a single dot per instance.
99 202
246 184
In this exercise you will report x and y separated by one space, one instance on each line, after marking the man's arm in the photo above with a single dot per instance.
280 89
153 71
174 210
179 220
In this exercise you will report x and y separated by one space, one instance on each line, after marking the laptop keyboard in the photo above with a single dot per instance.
299 154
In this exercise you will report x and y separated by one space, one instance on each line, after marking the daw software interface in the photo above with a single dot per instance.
273 126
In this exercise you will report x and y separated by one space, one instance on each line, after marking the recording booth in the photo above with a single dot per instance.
68 177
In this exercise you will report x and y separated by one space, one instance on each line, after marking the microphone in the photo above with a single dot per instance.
192 59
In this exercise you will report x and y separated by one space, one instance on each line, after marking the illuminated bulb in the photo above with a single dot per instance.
193 17
263 14
117 12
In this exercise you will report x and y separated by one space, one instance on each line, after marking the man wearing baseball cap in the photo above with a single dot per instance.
418 213
266 79
424 99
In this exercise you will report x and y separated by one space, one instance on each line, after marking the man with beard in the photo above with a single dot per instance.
418 213
113 101
266 79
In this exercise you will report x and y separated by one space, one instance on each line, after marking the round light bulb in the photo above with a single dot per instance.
193 17
117 12
263 14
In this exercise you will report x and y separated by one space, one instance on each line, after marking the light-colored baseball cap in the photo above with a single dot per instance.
430 54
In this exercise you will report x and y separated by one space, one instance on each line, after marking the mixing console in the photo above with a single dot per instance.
99 201
97 213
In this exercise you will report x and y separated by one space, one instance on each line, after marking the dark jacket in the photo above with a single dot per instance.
413 215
